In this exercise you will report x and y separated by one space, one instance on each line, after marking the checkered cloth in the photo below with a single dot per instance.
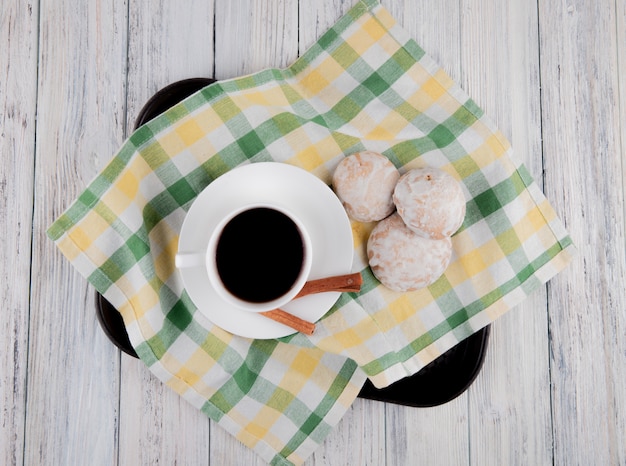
365 85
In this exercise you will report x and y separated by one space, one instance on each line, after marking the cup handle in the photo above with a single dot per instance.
190 259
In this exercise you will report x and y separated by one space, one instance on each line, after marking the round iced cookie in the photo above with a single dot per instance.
404 261
364 182
430 201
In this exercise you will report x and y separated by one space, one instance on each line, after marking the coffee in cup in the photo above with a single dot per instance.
258 257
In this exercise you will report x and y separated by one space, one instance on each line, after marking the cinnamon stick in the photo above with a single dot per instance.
348 282
290 320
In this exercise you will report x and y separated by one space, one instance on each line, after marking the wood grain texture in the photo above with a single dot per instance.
437 435
167 42
359 438
73 371
620 14
18 93
251 35
583 160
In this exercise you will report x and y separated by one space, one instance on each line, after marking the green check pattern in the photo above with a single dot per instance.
364 85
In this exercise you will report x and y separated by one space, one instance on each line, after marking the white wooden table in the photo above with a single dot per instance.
73 76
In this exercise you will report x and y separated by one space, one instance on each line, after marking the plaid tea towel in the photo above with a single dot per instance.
364 85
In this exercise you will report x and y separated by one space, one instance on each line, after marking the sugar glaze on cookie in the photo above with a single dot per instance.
430 201
403 260
364 182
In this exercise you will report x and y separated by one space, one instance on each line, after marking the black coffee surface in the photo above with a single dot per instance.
259 254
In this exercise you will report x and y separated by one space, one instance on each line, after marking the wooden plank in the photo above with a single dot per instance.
510 401
18 91
583 157
73 370
620 14
436 435
618 331
253 35
359 438
167 42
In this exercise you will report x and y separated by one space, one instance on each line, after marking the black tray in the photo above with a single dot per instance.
439 382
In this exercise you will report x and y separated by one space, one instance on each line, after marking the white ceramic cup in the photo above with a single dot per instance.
208 259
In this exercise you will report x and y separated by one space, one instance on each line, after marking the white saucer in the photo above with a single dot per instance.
301 192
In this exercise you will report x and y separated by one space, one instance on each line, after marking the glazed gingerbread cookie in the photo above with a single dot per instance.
364 182
403 260
430 201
